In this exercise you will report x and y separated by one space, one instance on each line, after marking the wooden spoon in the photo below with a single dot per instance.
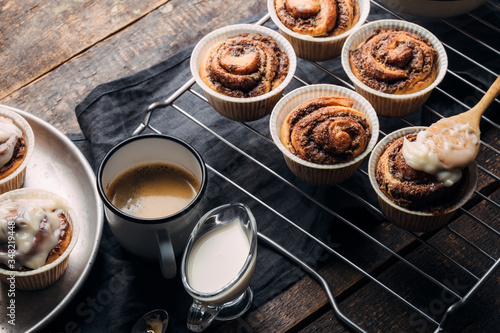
473 116
454 147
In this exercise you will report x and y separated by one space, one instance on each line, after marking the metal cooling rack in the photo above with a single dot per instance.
419 239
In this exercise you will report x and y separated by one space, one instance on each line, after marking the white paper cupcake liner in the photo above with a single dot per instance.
241 109
16 179
321 174
405 218
317 48
48 274
390 105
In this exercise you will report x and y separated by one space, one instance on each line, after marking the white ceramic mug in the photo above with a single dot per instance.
153 238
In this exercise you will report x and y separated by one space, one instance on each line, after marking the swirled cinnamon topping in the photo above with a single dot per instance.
33 233
326 130
244 66
12 147
395 61
318 18
410 188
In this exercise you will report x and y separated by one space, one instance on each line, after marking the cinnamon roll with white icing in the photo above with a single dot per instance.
12 147
33 232
413 189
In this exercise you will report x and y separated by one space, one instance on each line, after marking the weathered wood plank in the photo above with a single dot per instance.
151 39
38 36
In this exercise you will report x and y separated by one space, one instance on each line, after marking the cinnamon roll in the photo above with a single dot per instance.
410 188
326 130
246 65
33 233
318 18
395 61
13 147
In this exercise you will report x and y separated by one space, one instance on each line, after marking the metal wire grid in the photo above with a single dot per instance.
479 280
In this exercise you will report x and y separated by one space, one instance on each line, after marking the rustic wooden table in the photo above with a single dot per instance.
53 53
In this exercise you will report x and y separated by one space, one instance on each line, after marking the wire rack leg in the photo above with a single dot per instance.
449 313
314 274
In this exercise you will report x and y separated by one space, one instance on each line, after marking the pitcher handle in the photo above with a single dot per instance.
201 315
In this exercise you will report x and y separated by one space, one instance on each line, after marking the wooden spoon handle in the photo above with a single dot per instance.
473 116
489 97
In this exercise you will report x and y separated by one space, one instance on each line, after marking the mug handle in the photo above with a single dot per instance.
167 256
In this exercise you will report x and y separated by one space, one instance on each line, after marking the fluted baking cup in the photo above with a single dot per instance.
318 48
321 174
48 274
410 219
234 108
390 105
16 179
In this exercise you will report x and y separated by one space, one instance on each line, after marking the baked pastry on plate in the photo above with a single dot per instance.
37 234
17 142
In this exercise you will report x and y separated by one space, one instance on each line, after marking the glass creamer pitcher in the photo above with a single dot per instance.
218 264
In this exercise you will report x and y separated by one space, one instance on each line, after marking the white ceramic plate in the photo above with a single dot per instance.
57 165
